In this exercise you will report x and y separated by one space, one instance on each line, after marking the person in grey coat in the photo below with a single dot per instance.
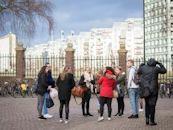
149 78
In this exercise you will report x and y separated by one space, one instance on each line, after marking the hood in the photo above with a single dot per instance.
151 62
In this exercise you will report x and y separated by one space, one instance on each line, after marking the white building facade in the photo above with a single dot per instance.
159 28
99 42
7 53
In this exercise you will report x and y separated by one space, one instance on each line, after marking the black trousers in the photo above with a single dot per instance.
86 102
120 101
150 105
103 101
62 104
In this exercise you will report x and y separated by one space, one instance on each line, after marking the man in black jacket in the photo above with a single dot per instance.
149 78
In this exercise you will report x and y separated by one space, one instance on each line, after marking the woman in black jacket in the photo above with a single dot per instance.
87 80
42 89
65 83
149 79
121 79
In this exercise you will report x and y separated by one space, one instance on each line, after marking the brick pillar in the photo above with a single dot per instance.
20 62
69 56
122 53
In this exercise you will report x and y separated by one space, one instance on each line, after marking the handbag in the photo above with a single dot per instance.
115 94
78 91
53 93
49 102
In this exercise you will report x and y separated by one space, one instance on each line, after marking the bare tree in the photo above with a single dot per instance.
23 16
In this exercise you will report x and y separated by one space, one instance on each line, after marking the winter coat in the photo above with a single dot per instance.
42 84
121 79
107 87
50 80
149 75
65 86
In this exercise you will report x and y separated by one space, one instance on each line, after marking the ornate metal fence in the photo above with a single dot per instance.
94 63
34 63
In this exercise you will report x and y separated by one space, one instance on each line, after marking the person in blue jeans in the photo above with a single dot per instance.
133 89
45 109
51 84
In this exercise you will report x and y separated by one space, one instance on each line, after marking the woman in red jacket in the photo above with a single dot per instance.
107 84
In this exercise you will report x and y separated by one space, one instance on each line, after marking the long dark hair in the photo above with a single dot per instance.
42 71
110 69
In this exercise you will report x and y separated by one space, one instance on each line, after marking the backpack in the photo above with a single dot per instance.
136 78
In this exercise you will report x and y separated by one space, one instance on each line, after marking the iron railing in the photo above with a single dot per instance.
34 63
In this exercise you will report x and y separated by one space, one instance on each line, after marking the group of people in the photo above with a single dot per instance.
107 82
166 89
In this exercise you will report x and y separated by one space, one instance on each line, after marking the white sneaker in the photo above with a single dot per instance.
61 120
66 121
47 116
100 119
141 110
109 118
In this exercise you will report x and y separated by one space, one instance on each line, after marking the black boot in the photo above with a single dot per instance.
83 110
147 121
117 114
152 117
120 114
153 123
89 114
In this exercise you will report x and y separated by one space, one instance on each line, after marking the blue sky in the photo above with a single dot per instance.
82 15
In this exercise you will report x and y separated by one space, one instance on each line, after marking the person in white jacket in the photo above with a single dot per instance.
133 89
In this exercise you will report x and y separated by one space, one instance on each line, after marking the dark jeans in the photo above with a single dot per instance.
86 102
62 104
103 101
150 105
120 101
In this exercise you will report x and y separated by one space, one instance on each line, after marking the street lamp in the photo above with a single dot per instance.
144 26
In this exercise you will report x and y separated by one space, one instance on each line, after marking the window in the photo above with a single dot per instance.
171 41
171 48
156 34
152 36
160 34
171 32
164 10
171 25
160 4
160 11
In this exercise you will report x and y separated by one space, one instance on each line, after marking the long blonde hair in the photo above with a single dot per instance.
64 72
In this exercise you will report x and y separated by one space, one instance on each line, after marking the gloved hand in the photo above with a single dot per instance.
158 63
49 87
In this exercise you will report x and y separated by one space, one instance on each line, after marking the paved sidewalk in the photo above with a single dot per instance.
21 114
